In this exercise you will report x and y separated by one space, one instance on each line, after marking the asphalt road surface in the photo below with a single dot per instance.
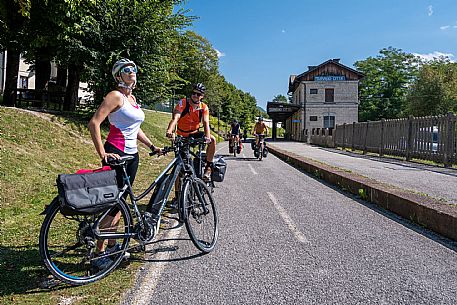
287 238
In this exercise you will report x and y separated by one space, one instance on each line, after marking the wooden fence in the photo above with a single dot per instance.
39 98
430 138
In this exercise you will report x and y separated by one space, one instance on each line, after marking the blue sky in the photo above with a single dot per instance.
261 43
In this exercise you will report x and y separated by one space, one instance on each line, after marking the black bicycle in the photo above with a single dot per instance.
68 243
261 151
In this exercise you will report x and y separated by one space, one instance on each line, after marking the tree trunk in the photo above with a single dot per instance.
71 93
42 69
61 76
12 71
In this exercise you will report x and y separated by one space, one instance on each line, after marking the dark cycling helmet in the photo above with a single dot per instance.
234 121
199 87
260 118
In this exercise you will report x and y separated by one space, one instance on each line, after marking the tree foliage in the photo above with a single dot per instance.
434 92
384 88
86 37
280 99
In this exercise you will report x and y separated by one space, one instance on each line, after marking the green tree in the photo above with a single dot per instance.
434 92
280 99
13 21
383 90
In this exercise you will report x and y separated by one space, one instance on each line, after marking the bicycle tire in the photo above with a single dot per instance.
235 147
261 152
73 266
195 216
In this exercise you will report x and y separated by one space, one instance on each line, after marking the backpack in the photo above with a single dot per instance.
187 110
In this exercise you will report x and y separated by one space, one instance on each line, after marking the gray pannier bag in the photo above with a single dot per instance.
86 194
218 171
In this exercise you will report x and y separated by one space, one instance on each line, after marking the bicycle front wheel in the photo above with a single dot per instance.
68 244
200 214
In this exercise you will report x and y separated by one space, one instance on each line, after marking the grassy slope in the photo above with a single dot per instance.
34 148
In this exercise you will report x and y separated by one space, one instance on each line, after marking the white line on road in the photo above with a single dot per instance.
290 223
252 169
149 276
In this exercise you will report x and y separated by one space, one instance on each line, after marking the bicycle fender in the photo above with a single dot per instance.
47 207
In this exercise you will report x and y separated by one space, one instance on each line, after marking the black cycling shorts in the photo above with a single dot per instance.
132 168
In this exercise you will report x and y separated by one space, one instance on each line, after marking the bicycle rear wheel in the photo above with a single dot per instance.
67 245
200 215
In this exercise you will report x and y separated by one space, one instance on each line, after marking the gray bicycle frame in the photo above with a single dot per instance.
176 166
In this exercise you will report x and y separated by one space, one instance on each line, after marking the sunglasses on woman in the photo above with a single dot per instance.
128 69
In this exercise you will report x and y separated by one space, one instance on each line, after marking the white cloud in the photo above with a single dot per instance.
445 27
430 10
219 53
283 31
434 55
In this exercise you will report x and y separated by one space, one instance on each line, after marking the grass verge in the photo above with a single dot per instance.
34 148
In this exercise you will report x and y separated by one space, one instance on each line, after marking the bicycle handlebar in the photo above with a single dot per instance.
179 142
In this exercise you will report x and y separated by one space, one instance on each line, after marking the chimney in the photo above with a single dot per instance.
337 60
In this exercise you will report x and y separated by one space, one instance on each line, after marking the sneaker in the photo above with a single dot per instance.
115 248
101 263
207 174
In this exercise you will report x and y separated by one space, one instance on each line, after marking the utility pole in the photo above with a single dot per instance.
218 125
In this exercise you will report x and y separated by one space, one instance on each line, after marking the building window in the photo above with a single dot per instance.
329 95
313 118
312 91
329 121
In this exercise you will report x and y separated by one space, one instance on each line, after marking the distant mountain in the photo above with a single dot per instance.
262 112
260 109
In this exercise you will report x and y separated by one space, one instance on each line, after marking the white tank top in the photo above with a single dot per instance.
124 126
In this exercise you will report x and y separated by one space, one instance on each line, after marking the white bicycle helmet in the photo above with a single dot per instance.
116 71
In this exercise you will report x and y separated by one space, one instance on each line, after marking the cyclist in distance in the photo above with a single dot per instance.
187 117
245 134
125 117
235 131
259 128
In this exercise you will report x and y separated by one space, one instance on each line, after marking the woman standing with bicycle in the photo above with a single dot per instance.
125 117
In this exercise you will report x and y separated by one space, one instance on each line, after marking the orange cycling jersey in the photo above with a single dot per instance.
190 119
260 128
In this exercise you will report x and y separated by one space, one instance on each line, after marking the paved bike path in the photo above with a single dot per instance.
287 238
422 193
436 182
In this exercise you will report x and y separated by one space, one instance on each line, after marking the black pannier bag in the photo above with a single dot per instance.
219 168
199 168
86 194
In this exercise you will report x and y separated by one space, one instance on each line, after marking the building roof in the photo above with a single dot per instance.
294 80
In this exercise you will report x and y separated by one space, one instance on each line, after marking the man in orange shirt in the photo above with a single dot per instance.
187 116
260 129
